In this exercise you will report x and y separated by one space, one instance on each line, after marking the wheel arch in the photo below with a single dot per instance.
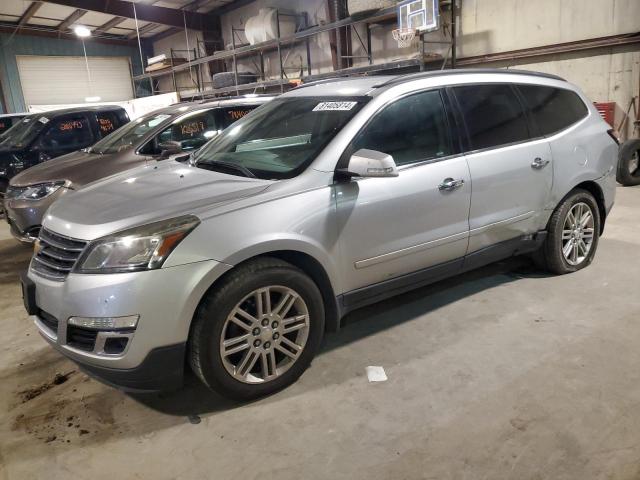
594 189
310 266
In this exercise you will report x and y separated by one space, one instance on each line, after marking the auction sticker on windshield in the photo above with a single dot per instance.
334 106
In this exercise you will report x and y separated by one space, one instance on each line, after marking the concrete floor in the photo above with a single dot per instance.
501 373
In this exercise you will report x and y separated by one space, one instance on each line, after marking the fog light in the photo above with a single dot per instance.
105 323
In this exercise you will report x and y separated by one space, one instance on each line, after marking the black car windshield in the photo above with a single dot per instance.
126 136
23 132
279 139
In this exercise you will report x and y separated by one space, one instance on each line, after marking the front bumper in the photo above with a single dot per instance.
153 355
25 216
162 369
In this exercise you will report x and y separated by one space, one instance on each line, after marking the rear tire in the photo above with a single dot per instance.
4 184
628 173
573 234
258 331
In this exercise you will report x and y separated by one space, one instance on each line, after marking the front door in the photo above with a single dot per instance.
390 227
512 174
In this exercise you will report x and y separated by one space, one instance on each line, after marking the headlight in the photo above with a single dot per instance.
39 191
139 248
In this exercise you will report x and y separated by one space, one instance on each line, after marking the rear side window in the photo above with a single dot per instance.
411 129
191 131
107 123
493 114
553 109
68 133
226 116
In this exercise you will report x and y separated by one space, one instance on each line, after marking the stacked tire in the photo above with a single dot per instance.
228 79
628 173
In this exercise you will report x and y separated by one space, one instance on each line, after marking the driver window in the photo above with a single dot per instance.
68 133
411 129
192 132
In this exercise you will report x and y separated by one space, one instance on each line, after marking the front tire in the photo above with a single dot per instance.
573 234
258 331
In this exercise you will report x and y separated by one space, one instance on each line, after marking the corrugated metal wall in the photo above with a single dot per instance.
10 46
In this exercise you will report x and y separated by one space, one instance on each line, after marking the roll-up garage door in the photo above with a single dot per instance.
48 80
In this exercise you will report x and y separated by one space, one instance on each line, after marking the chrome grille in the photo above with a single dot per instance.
56 256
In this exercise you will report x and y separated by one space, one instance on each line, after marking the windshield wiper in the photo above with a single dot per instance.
228 165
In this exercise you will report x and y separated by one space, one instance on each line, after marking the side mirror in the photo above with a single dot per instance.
170 147
370 163
182 158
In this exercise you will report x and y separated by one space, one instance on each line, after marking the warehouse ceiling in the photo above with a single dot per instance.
108 19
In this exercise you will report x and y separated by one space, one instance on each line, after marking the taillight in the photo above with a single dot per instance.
612 133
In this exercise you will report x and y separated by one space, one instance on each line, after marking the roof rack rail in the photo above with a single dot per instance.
459 71
335 78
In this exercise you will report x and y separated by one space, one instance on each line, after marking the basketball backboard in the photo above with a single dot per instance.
420 15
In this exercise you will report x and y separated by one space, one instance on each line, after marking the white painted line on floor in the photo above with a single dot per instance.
376 374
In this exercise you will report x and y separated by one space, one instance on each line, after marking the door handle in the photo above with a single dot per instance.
539 163
449 184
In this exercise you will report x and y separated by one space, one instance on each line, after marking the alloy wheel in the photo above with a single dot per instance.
634 163
265 334
578 233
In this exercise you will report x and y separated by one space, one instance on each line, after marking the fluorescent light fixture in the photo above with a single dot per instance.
82 31
91 99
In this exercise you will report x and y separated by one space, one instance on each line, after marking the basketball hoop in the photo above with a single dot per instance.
404 36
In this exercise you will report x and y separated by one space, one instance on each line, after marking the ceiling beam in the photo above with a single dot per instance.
195 5
145 12
71 19
110 24
53 32
29 13
145 29
164 34
232 5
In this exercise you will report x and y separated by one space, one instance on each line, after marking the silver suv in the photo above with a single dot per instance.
330 197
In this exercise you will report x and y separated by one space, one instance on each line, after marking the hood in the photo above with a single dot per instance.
78 168
143 195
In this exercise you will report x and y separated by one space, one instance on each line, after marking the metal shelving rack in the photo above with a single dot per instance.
303 36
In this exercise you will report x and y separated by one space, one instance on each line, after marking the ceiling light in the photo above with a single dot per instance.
91 99
82 31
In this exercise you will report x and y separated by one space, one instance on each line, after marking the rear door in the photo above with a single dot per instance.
389 227
510 170
107 122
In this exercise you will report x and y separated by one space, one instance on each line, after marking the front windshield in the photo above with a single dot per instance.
23 132
125 137
279 139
